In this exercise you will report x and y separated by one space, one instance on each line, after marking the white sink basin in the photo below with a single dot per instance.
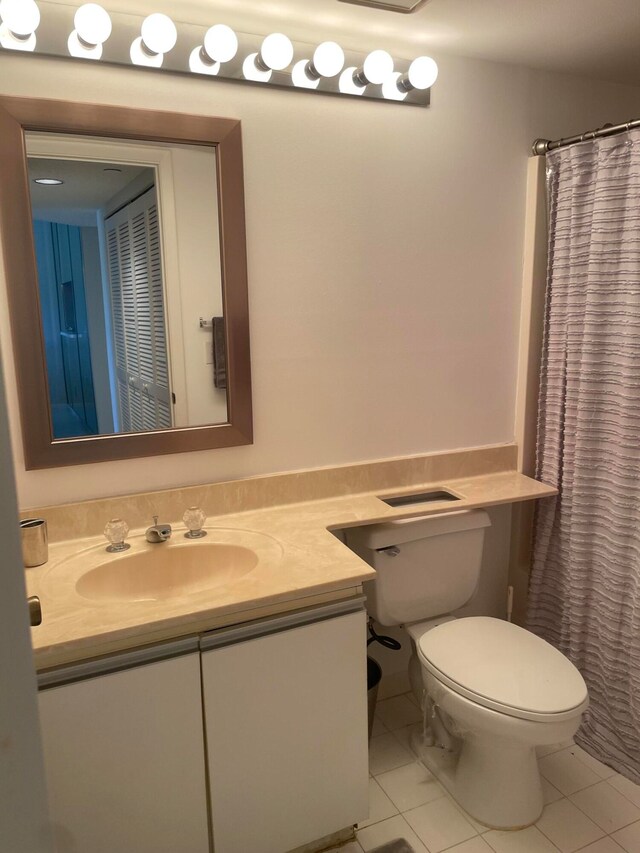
166 570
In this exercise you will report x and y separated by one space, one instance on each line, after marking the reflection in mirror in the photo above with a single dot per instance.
127 250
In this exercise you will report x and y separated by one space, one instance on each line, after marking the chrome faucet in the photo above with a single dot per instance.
158 532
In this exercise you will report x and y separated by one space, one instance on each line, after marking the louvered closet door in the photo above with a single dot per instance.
137 308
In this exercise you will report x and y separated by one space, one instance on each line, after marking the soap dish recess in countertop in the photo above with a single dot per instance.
420 498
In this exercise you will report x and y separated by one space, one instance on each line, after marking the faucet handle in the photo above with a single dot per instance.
194 518
35 611
116 532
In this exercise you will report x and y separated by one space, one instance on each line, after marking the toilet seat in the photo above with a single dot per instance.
503 667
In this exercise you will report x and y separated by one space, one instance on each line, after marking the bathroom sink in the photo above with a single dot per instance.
166 571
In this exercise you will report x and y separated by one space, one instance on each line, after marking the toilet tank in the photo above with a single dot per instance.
425 566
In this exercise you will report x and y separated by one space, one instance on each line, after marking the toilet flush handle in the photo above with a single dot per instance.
390 551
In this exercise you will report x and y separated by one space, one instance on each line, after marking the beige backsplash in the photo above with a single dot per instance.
88 518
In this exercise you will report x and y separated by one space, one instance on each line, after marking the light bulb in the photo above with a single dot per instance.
220 43
201 65
21 17
92 23
141 56
348 84
377 67
276 53
92 28
159 33
423 73
77 47
392 88
252 71
158 36
328 59
300 76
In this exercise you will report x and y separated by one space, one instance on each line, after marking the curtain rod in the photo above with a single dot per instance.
542 146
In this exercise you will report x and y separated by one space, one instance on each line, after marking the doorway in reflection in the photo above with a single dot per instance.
98 251
66 333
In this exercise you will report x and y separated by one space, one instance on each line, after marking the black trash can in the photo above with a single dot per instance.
374 674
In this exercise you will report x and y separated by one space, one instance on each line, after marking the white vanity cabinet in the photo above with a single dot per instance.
285 706
256 734
124 753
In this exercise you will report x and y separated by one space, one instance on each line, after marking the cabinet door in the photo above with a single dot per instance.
286 723
124 760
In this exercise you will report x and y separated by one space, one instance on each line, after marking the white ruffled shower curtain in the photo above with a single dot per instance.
585 581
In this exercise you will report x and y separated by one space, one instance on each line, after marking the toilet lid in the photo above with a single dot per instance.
501 666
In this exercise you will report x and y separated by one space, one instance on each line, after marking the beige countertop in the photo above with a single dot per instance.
300 563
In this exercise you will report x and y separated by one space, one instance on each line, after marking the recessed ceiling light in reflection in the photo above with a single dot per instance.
48 182
348 85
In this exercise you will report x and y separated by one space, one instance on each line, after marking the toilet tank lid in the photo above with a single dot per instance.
504 665
400 530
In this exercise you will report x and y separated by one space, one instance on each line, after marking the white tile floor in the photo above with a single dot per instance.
589 807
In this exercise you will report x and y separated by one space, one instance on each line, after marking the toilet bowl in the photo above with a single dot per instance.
499 692
491 692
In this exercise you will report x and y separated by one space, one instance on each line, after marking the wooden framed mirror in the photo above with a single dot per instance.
138 354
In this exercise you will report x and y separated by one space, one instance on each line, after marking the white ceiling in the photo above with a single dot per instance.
596 38
86 187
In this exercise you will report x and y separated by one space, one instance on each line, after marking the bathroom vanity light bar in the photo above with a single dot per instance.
87 31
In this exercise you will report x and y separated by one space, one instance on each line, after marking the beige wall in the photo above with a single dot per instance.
200 278
385 252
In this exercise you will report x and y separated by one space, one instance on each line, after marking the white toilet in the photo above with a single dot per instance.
491 691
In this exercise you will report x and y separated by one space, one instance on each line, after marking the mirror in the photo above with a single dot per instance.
128 259
126 266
